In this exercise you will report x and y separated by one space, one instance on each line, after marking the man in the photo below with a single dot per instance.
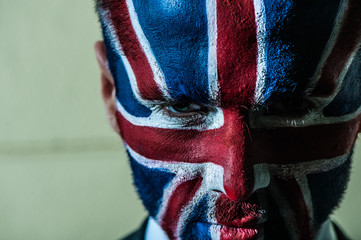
239 117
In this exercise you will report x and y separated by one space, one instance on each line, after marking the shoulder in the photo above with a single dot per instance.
138 234
339 232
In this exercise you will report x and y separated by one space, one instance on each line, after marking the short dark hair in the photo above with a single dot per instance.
97 4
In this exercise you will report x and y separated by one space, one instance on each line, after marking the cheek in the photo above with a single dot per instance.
327 189
170 144
150 184
303 144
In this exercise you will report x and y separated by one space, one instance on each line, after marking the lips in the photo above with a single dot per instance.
231 233
239 220
246 228
238 214
245 222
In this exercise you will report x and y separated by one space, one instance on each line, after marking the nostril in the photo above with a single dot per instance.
216 190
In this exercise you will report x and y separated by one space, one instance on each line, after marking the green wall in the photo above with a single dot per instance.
63 173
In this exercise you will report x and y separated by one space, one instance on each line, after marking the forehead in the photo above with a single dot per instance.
226 50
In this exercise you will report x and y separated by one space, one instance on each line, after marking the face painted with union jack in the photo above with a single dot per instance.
239 117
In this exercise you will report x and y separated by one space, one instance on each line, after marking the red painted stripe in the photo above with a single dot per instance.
293 145
291 192
346 43
279 145
180 198
232 147
236 52
224 146
119 16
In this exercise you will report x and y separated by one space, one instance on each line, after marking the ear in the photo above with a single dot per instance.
107 84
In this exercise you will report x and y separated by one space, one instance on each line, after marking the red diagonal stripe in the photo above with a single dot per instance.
291 192
181 196
236 51
119 16
347 42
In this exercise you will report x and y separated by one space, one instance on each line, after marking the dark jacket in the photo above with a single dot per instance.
140 233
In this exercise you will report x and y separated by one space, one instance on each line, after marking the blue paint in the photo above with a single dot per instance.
177 33
348 99
197 226
297 33
279 50
327 189
123 88
150 184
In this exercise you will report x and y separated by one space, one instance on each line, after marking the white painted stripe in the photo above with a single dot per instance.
305 190
215 232
213 173
157 71
212 50
160 119
285 210
304 168
313 118
110 32
212 180
188 210
261 59
329 48
215 228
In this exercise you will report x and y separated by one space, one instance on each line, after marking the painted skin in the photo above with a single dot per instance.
239 117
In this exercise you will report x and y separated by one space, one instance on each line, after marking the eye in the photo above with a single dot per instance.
185 108
290 107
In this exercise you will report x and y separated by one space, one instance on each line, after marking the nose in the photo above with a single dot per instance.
238 178
239 181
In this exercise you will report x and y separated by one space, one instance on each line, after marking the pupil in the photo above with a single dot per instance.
181 107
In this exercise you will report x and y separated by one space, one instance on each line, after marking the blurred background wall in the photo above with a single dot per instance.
63 172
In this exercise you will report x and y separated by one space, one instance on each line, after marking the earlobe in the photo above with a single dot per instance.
107 85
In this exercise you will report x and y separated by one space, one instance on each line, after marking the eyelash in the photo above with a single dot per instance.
185 110
289 108
192 116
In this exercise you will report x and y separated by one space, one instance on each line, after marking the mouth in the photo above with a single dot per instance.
243 229
228 233
252 222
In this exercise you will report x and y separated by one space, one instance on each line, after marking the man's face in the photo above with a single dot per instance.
239 117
